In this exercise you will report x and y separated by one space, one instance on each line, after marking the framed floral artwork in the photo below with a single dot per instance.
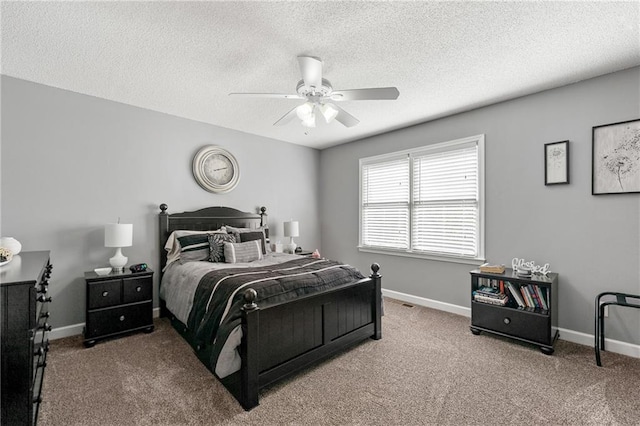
556 163
616 158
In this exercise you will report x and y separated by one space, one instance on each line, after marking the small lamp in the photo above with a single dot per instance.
291 229
118 235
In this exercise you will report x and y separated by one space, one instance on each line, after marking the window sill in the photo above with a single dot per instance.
469 261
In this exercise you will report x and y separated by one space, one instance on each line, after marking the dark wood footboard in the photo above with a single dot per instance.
282 339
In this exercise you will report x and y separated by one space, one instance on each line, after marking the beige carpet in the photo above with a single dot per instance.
427 369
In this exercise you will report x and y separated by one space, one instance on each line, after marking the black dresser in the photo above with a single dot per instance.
24 314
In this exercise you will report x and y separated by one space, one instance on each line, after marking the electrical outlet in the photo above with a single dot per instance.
606 311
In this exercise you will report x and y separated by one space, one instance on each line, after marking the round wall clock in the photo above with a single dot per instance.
215 169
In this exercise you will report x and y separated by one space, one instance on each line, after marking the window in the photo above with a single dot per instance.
425 202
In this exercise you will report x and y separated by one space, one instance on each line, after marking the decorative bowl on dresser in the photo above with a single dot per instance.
24 329
118 303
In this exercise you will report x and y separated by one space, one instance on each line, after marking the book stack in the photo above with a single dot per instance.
529 296
490 295
495 269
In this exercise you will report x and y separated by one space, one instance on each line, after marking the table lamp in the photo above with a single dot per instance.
291 229
118 235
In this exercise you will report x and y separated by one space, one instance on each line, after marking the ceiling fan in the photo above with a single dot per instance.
319 96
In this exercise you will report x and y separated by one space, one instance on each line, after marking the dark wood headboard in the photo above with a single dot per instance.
207 219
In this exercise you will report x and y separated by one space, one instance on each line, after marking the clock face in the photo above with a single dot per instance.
218 168
215 169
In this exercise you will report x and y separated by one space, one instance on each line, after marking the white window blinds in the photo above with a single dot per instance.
445 202
426 201
385 203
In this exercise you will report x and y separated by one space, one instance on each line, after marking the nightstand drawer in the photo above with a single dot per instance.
116 320
526 325
137 289
104 293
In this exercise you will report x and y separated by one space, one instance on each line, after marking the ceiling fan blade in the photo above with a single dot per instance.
345 118
286 118
311 69
376 93
266 95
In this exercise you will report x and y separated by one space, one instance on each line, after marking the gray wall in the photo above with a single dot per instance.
593 242
71 163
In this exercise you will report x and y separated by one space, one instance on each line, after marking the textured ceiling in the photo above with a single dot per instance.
183 58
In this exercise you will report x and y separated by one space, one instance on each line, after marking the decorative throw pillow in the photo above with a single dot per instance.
179 247
242 252
216 246
194 247
254 236
238 231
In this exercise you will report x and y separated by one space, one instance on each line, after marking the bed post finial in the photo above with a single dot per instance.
263 221
164 208
375 268
250 300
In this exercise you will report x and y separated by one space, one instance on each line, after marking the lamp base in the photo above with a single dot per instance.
118 261
289 248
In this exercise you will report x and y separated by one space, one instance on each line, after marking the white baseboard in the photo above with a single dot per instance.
612 345
429 303
75 329
67 331
616 346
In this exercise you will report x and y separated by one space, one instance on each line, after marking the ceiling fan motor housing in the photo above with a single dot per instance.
314 93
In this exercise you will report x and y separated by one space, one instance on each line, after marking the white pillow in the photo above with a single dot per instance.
242 252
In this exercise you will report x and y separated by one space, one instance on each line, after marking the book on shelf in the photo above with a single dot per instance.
491 300
489 291
516 295
536 293
495 269
541 297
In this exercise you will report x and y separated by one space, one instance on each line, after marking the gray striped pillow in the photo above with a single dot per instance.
242 252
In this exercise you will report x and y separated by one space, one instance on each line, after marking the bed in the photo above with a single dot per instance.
306 327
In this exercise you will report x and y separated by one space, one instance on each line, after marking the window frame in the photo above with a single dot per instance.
448 146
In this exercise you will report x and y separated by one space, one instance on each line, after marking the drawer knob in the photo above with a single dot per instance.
507 320
43 289
45 327
105 293
45 315
138 289
43 299
121 317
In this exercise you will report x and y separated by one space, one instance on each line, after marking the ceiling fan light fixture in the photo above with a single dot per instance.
305 111
310 121
329 112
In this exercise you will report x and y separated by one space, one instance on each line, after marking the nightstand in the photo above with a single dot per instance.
117 304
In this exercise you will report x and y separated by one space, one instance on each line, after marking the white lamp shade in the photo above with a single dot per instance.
291 229
305 111
118 235
329 112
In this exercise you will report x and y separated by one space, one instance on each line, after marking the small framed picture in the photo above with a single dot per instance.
616 158
556 163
